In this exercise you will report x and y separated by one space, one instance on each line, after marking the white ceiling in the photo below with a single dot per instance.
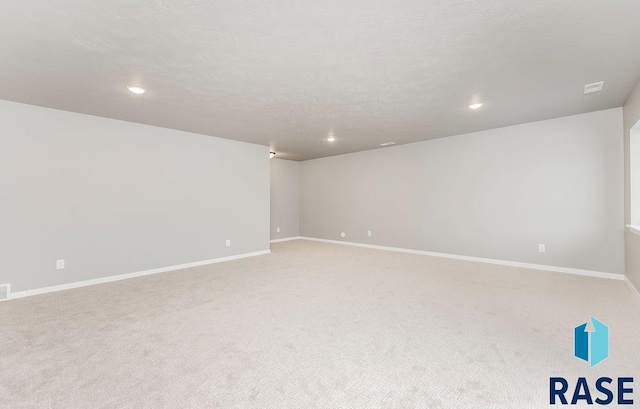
285 73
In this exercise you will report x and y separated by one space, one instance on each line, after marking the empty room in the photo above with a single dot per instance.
319 204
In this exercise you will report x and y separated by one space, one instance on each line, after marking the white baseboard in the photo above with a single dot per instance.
633 287
565 270
285 239
109 279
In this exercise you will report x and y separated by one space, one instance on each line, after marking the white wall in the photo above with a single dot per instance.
113 197
495 194
634 175
285 198
632 240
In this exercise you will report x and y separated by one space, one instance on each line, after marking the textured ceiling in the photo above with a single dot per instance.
285 73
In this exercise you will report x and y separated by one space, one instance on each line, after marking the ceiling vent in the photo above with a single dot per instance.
5 292
595 87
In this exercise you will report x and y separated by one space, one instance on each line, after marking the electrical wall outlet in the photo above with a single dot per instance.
59 264
369 233
542 248
228 243
5 292
278 229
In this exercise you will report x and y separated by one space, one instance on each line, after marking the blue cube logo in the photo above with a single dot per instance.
592 346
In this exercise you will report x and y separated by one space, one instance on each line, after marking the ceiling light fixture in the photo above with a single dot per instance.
271 155
477 105
593 87
331 138
136 90
387 144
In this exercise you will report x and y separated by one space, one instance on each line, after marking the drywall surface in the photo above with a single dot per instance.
632 185
285 72
285 198
634 174
495 194
632 258
112 197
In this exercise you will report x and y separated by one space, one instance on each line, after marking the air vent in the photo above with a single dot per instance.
387 144
595 87
5 292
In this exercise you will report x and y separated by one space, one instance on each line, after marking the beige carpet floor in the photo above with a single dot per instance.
314 325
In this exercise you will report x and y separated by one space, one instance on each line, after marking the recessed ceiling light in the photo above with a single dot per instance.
387 144
476 105
331 138
271 155
594 87
136 90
